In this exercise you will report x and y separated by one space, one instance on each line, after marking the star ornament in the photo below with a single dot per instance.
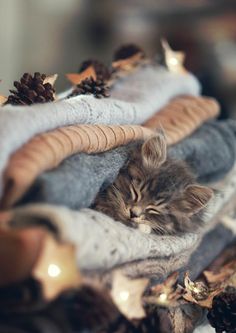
129 63
56 268
77 78
127 295
3 99
174 60
51 79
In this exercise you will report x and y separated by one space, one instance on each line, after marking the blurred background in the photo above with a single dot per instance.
54 36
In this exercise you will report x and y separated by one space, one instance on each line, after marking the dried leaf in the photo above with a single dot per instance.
198 289
76 78
127 295
199 293
174 60
56 268
51 79
206 303
221 277
3 99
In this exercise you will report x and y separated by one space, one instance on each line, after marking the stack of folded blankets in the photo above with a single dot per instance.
56 157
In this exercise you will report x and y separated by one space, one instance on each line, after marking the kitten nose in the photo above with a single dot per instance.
135 211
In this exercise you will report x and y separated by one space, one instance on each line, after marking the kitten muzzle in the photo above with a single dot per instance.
135 212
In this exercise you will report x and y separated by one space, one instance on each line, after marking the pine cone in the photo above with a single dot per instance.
222 316
31 90
102 72
127 51
89 86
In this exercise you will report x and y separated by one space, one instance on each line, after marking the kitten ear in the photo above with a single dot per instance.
194 199
154 152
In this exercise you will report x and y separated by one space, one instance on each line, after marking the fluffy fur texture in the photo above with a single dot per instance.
155 193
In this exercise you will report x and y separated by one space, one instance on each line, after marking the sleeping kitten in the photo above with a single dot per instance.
155 193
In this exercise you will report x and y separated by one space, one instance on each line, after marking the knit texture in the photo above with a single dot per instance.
158 268
210 151
219 238
82 171
103 243
132 101
182 116
46 151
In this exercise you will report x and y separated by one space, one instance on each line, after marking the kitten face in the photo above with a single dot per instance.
155 191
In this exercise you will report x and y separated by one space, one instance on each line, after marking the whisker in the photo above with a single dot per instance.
158 227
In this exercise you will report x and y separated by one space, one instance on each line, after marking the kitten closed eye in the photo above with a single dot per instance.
152 210
155 193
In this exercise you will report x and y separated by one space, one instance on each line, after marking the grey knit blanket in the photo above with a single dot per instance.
104 243
210 151
133 100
